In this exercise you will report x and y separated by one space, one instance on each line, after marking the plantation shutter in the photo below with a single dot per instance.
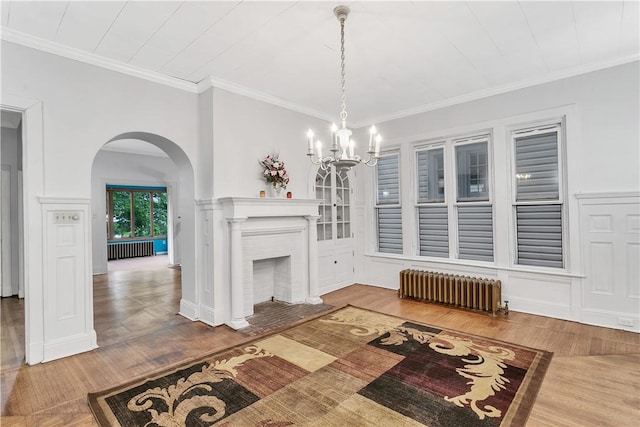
475 232
539 234
388 180
389 218
390 230
433 231
537 167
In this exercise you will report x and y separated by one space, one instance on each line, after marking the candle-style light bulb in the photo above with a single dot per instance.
378 140
351 148
310 138
319 149
334 137
372 131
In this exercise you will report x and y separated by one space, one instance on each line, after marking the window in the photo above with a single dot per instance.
388 209
431 175
472 168
474 211
538 201
468 200
333 195
136 212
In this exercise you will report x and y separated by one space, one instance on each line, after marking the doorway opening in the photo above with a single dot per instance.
141 187
12 241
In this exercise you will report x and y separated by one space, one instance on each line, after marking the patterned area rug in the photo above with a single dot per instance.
350 367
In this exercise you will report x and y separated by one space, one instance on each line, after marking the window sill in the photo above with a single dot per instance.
476 264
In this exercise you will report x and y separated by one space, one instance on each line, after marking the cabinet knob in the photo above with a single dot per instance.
335 262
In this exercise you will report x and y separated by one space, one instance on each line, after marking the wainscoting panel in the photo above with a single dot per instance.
611 250
68 292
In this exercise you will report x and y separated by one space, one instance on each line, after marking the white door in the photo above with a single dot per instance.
611 236
335 236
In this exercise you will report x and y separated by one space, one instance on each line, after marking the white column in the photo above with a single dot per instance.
313 297
237 292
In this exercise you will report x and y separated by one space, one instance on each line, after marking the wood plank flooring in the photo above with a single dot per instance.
593 380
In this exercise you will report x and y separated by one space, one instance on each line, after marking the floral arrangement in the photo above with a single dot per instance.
274 171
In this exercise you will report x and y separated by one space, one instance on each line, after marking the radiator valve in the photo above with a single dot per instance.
504 309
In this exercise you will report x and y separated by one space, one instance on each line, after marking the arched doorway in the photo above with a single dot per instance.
182 219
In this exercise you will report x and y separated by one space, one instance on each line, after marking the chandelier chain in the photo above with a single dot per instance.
343 113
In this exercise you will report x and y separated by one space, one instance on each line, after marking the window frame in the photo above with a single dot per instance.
110 189
451 202
528 129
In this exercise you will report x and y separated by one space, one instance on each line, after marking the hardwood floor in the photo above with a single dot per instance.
593 380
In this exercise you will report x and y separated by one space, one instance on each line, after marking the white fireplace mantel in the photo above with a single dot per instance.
289 225
247 207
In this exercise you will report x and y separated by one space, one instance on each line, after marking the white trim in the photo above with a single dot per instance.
540 308
610 319
69 346
208 316
550 77
64 200
33 185
188 310
260 96
486 265
608 195
58 49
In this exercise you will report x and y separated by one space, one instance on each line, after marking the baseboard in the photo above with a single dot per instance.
322 290
540 308
208 316
69 346
608 319
34 352
188 310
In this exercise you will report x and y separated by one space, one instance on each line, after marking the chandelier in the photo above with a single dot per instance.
342 147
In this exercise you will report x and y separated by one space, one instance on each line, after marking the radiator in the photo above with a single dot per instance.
459 291
129 250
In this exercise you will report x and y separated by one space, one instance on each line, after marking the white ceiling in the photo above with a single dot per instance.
401 57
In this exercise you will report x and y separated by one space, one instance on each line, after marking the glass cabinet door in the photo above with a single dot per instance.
323 193
333 189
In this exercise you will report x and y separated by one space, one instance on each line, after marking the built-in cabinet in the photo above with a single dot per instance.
335 235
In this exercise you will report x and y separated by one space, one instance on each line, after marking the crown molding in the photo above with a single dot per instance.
215 82
33 42
23 39
549 77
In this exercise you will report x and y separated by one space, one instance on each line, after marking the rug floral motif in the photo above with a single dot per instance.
346 368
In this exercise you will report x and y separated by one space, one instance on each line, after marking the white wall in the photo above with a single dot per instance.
112 167
602 156
245 131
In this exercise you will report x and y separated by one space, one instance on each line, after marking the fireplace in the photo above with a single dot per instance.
273 235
